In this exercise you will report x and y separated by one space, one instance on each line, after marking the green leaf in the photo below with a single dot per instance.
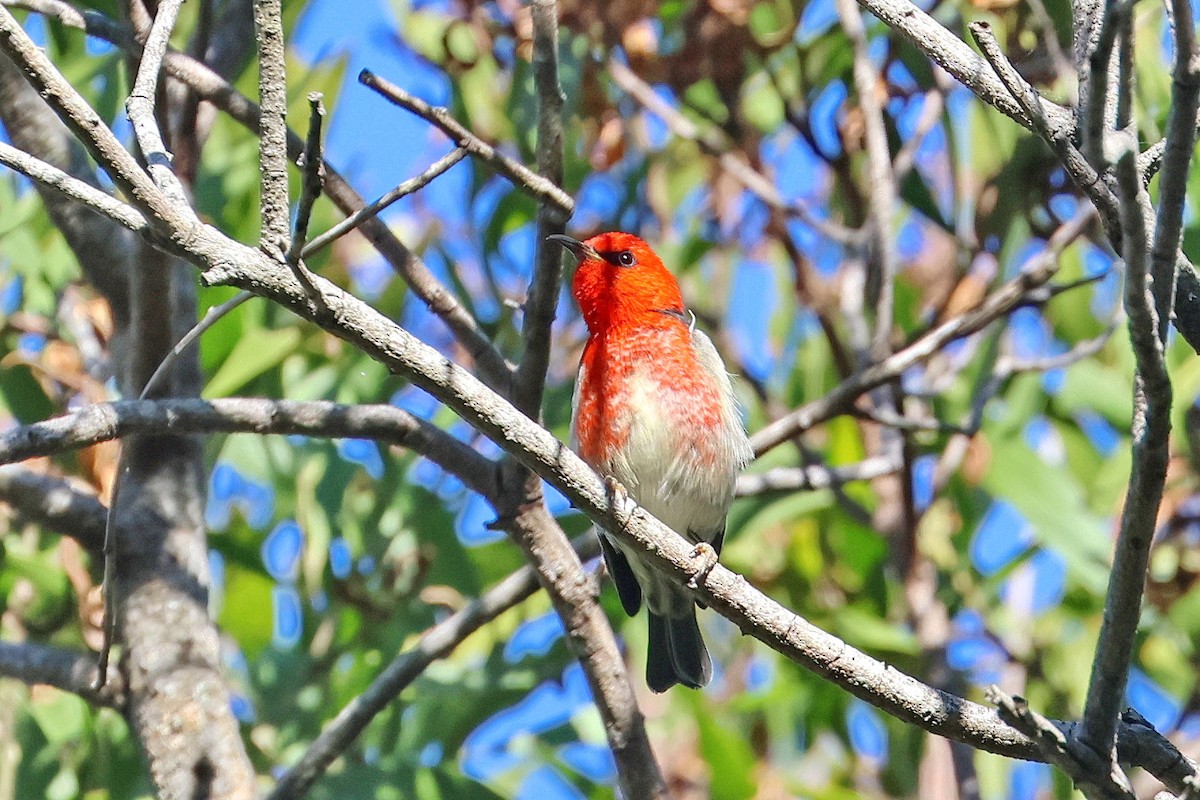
254 354
22 395
1055 506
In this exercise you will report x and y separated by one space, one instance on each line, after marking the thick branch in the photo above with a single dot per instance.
272 126
63 669
54 504
103 422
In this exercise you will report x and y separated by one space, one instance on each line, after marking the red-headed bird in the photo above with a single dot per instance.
654 410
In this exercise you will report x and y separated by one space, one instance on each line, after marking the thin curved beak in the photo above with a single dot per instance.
581 251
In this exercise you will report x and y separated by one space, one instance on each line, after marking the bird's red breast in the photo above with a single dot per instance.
639 358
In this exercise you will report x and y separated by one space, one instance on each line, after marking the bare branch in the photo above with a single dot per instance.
103 422
314 178
373 208
86 124
212 87
1151 428
272 127
54 504
1008 297
881 283
436 643
542 300
1099 780
1180 145
63 669
536 186
140 108
946 49
794 479
733 164
51 177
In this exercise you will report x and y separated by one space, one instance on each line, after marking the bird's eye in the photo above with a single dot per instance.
626 259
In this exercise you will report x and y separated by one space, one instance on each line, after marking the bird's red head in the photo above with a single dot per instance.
621 281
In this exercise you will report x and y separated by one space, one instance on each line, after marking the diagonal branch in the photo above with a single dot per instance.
536 186
1017 292
86 125
210 86
436 643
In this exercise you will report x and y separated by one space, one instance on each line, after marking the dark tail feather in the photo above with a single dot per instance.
676 654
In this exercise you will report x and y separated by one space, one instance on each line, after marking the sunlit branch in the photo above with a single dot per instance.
435 643
140 108
1005 299
525 179
272 126
373 208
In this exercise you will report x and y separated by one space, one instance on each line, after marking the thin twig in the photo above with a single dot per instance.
812 477
521 176
140 107
881 282
733 164
436 643
1008 297
211 317
373 208
314 177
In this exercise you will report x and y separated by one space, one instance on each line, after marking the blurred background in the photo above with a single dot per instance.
980 557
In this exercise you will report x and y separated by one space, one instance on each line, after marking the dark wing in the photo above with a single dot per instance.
628 588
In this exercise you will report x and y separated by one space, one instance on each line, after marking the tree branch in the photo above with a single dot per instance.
1008 297
435 643
536 186
63 669
542 299
140 108
1151 429
54 504
272 127
107 421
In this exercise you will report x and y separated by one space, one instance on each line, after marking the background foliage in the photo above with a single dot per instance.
329 556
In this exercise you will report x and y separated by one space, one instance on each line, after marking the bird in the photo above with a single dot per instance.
654 410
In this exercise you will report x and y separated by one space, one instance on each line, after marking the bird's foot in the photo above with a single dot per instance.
618 496
708 554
